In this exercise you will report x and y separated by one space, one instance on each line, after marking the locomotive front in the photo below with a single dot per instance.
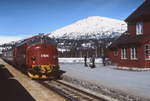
42 57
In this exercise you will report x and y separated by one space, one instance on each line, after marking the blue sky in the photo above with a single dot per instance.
29 17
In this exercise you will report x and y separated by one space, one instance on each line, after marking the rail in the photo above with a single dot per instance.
72 93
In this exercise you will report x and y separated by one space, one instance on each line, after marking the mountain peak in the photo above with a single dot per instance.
93 26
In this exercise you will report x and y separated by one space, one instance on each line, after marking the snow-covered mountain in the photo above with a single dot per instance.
91 27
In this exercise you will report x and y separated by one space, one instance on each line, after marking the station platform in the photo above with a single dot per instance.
11 89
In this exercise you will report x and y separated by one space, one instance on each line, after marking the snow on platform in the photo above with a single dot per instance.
130 82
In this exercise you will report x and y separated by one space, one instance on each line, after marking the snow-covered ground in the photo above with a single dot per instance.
129 82
77 60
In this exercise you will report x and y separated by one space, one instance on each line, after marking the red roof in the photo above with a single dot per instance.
141 13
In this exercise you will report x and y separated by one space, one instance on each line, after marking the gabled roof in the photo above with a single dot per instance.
127 40
124 40
141 13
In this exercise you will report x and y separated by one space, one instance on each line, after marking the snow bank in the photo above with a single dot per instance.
78 60
133 68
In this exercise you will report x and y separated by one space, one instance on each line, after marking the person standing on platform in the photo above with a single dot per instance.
104 60
85 61
93 61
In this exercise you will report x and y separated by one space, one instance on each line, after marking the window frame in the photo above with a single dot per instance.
139 28
124 53
133 53
147 57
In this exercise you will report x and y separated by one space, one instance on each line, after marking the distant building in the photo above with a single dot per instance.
132 49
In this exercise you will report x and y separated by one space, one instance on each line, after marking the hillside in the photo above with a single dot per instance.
91 27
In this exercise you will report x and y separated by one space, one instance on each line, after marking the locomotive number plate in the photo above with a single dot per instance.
44 55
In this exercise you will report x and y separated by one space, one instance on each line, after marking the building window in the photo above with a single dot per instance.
124 53
133 53
115 52
139 28
147 51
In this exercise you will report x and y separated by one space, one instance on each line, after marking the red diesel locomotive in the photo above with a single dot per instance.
37 56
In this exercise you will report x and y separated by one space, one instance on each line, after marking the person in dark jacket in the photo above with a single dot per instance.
92 62
104 60
85 61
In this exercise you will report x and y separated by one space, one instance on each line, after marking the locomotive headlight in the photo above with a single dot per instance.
33 57
55 57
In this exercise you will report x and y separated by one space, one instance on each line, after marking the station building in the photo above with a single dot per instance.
132 49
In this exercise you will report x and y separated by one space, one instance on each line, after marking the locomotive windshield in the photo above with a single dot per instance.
50 41
42 40
34 41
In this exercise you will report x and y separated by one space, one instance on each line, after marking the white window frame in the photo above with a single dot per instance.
133 53
123 53
139 28
147 54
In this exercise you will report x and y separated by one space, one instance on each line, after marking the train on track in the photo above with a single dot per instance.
36 56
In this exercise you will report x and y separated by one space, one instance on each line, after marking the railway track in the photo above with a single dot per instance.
70 92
